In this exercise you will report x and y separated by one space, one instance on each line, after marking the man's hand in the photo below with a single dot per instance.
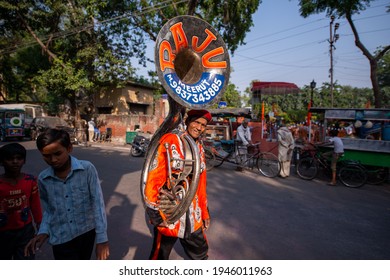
206 224
166 202
102 251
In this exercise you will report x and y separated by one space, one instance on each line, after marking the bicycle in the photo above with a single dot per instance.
229 151
351 173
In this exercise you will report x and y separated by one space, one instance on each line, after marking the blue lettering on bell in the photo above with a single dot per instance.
202 92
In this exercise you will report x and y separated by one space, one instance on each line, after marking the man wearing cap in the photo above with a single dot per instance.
190 228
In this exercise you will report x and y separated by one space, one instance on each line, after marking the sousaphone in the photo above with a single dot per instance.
193 66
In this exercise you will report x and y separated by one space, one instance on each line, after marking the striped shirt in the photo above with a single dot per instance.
72 206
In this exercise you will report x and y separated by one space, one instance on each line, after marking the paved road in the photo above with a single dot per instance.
253 217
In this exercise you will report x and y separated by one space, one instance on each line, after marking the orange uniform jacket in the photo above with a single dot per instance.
157 178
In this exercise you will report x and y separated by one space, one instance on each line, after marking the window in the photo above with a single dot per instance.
104 110
38 111
139 109
29 112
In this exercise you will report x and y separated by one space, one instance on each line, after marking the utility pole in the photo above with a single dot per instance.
332 39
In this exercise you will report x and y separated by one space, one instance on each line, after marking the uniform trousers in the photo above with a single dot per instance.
194 244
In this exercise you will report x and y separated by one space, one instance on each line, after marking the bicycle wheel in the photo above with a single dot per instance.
268 164
353 175
210 159
307 168
377 175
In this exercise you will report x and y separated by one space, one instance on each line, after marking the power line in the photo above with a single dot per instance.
285 30
281 39
83 28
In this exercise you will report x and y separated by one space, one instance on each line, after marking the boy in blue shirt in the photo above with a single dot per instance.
74 212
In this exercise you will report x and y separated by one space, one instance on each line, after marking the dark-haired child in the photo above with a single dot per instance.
338 151
20 207
74 215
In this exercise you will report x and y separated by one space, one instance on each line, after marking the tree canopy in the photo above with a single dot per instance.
65 50
347 8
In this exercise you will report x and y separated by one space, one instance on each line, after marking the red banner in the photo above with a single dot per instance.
262 111
308 114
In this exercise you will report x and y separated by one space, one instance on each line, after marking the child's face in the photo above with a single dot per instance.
56 155
13 164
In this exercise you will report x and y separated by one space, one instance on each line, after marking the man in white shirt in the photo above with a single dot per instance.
285 149
91 129
244 139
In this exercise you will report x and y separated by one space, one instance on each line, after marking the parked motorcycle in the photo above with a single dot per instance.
140 144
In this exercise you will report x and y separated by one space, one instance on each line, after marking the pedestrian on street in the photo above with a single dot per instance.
190 228
244 138
285 150
333 156
91 130
74 212
96 135
20 207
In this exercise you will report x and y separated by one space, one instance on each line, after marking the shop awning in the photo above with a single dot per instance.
274 88
231 112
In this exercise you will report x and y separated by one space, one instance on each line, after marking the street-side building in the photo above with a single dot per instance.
132 107
132 99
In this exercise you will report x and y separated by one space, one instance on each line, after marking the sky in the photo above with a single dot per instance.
282 46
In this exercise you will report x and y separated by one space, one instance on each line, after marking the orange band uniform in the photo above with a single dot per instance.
158 178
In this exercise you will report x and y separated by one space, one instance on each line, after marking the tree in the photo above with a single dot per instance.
347 8
246 98
384 70
89 43
231 18
232 96
293 107
76 56
384 79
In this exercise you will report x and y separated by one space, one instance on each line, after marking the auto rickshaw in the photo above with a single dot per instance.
11 124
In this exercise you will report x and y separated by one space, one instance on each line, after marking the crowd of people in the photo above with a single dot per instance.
291 135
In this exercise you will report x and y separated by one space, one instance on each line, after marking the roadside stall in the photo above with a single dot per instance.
220 132
225 122
365 133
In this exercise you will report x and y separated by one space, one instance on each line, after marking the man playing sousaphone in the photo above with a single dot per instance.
192 63
168 164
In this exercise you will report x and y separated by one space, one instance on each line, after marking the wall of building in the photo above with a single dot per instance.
119 98
123 118
122 123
